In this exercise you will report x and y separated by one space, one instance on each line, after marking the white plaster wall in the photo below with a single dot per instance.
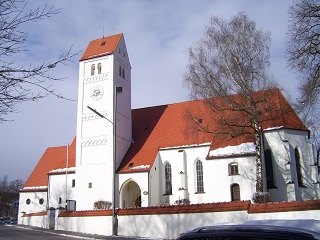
57 190
34 205
35 221
182 161
282 144
277 143
311 214
155 184
101 225
168 226
100 178
218 181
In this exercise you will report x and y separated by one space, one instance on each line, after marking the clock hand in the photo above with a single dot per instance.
96 93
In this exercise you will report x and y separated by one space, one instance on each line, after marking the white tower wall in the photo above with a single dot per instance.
94 156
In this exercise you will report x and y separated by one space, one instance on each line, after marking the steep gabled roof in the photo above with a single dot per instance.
171 126
160 127
101 47
277 114
53 158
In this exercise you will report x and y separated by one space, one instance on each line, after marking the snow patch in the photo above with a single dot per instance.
63 170
244 148
35 188
141 167
97 55
187 146
273 128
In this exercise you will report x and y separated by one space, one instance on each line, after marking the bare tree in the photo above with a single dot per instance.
9 195
22 83
226 67
304 57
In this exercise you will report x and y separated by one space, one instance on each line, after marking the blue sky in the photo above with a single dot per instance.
157 34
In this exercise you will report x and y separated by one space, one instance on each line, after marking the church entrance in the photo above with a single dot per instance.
130 195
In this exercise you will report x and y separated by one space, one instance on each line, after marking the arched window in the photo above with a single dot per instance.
233 168
93 68
269 169
235 192
99 68
298 167
168 179
120 70
123 75
199 174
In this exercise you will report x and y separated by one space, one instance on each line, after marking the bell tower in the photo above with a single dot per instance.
104 97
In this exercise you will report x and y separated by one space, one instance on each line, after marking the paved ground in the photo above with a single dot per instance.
77 235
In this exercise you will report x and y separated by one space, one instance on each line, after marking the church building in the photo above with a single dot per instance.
155 156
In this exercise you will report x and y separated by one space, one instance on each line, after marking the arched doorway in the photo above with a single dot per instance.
130 194
235 192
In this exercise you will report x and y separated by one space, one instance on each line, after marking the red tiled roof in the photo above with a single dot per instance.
102 47
53 158
277 112
161 127
170 126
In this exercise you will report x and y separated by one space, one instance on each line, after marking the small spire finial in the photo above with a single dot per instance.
102 31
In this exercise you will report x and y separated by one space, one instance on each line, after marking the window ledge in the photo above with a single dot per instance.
167 194
199 193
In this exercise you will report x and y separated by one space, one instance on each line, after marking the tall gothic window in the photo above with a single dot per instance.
235 192
199 174
168 179
269 169
93 68
298 167
99 68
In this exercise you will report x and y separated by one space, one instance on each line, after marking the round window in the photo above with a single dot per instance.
41 201
28 201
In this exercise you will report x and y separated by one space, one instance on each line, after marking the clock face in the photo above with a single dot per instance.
96 93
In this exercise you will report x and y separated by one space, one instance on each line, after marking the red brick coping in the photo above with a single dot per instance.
34 214
193 208
285 206
202 208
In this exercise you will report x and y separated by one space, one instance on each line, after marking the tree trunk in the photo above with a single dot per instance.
259 186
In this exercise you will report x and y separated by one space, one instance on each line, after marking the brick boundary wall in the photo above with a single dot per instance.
35 214
284 206
202 208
